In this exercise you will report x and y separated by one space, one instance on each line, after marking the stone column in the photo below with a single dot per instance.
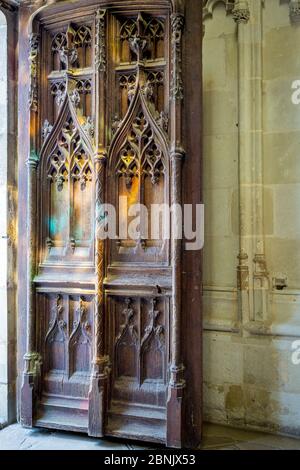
252 271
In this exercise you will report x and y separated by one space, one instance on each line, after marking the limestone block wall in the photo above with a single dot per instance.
3 218
8 204
252 199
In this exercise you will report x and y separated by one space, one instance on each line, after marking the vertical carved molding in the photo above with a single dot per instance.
98 388
252 271
31 358
100 48
177 382
177 25
34 64
100 371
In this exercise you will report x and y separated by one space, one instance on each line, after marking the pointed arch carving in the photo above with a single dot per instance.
209 6
140 145
138 158
66 170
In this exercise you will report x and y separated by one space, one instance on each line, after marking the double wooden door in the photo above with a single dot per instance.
113 337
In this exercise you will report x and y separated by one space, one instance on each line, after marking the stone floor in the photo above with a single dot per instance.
215 438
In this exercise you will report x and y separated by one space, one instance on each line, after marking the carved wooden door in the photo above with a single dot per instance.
113 342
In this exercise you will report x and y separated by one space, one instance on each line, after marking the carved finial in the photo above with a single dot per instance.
89 127
116 123
75 98
68 54
131 91
148 91
139 43
46 130
163 121
241 12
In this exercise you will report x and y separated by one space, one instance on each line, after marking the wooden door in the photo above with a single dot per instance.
107 319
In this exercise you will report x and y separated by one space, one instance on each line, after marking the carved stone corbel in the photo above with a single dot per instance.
241 12
294 6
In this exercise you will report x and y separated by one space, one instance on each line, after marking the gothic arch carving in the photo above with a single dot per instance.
209 6
139 106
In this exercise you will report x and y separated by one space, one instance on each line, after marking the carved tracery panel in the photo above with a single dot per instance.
139 164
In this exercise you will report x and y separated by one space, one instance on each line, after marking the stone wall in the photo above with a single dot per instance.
252 198
3 218
8 218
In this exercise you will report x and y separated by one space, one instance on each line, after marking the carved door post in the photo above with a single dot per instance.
177 382
100 363
31 357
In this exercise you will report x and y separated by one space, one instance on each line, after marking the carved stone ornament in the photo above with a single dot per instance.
241 12
209 5
294 10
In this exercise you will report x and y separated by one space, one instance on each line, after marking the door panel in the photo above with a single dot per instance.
107 319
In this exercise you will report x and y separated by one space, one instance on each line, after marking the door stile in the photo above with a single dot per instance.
100 362
175 411
32 364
